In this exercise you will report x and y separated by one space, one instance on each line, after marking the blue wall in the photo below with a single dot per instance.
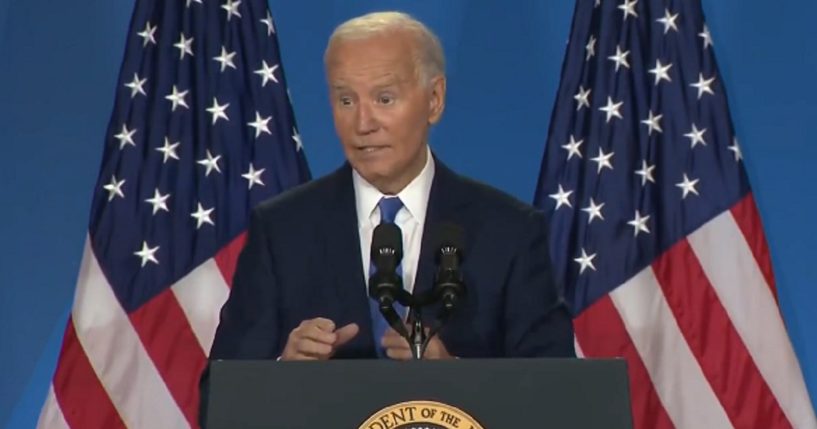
59 63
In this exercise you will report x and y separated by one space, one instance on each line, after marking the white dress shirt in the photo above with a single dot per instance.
410 218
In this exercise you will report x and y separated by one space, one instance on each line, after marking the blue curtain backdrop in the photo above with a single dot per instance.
58 67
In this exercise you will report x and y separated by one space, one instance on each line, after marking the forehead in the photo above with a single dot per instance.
387 53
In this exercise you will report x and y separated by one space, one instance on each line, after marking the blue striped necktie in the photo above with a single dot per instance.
389 206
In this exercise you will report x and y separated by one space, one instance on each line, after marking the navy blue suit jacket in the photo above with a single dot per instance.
302 260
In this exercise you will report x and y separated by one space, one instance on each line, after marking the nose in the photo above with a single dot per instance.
366 122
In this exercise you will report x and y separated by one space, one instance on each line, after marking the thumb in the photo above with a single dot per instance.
345 334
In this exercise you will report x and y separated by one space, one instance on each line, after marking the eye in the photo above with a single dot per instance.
345 100
385 99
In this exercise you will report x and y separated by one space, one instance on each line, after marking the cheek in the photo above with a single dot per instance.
409 127
399 122
343 123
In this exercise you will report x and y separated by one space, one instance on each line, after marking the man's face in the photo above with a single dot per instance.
382 110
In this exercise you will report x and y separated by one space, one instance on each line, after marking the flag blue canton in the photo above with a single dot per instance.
202 131
641 149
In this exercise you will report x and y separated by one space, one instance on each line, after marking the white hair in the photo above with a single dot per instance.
428 52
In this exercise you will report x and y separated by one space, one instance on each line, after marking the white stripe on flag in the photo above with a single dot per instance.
116 353
729 264
51 416
201 293
579 352
678 380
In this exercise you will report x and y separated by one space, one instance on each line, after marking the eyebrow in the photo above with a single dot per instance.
387 81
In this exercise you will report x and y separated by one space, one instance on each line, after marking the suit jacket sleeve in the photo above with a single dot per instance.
249 320
537 320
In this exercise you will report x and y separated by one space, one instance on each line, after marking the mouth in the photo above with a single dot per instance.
370 148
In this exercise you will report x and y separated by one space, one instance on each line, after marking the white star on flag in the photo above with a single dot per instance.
688 186
706 36
211 163
202 216
125 136
639 224
581 98
572 147
646 173
594 210
169 150
603 160
696 136
268 22
147 254
136 86
218 111
253 176
585 261
232 9
591 48
703 85
260 124
652 123
177 98
620 58
661 72
629 8
299 144
114 188
267 73
669 21
736 149
147 34
185 46
225 59
159 201
611 109
562 198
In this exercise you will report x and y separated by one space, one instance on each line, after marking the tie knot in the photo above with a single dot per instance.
389 206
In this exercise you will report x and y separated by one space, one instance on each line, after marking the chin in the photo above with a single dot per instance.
372 168
373 176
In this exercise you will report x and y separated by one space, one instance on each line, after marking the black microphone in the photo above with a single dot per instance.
449 286
385 286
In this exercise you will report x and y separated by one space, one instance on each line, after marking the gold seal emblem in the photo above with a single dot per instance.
420 415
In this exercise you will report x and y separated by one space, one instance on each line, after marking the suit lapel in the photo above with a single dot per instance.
445 204
343 255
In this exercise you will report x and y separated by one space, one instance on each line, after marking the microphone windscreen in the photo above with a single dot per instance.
387 236
449 235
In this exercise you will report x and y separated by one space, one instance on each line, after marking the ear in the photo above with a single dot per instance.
437 99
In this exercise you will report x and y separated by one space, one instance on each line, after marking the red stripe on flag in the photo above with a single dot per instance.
82 399
601 333
748 220
227 257
713 340
169 341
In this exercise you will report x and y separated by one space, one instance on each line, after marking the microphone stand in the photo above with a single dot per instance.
418 339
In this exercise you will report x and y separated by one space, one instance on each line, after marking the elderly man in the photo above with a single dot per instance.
300 287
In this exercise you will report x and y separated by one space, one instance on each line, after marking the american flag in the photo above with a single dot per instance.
202 131
654 231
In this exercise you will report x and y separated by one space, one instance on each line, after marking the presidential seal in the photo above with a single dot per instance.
420 415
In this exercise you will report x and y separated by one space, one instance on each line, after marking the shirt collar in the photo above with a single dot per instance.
414 196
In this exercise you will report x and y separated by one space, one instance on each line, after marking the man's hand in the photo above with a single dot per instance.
398 348
317 339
